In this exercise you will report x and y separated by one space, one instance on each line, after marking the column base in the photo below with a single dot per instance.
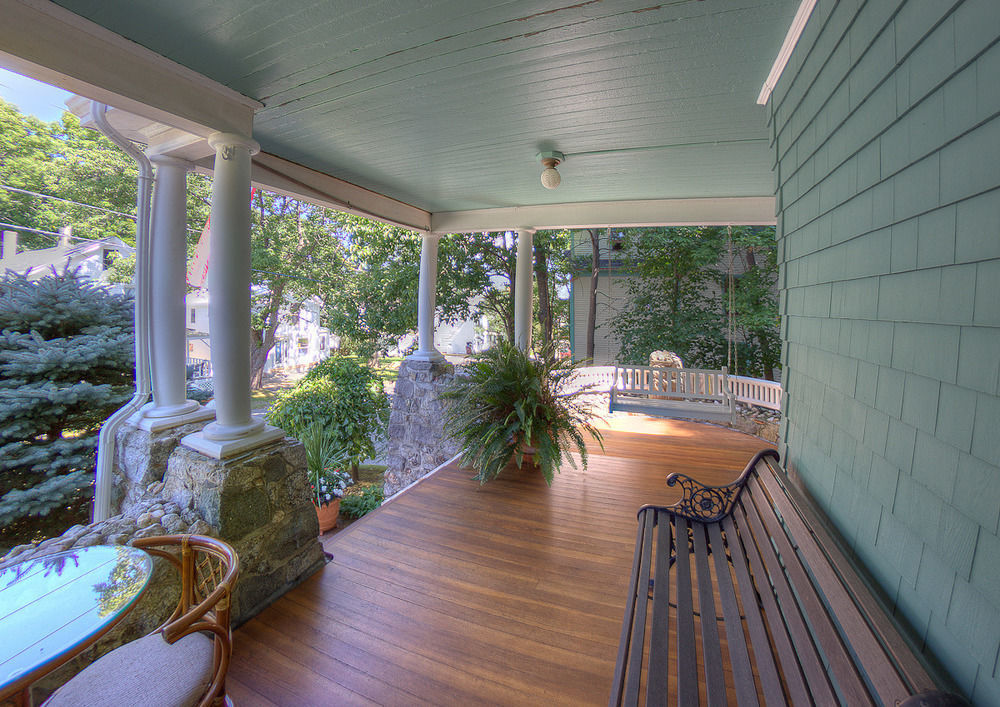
157 419
432 355
209 445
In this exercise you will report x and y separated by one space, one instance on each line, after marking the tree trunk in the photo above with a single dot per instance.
262 340
542 278
595 271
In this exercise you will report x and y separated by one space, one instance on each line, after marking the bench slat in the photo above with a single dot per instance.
739 659
848 680
628 622
634 683
880 668
687 667
902 651
767 671
788 617
658 683
711 649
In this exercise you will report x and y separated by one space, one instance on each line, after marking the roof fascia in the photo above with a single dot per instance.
709 211
46 42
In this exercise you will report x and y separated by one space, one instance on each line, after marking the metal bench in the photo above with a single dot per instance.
751 571
693 393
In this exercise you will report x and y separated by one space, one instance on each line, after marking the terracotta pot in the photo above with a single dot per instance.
327 515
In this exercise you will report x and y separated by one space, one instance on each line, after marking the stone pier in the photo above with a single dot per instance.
417 444
260 503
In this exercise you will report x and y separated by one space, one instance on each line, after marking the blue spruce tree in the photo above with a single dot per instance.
66 363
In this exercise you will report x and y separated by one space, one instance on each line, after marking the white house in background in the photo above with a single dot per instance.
91 257
299 342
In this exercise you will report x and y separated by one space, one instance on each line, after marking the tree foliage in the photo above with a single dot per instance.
346 399
66 363
374 304
678 296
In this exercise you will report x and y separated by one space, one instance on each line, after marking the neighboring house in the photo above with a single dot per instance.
91 258
299 342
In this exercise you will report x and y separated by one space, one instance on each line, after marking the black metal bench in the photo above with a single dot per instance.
752 571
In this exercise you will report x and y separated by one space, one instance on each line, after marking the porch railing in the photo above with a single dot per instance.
756 391
750 391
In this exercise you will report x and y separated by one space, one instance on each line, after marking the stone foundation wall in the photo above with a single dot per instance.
417 444
141 460
260 503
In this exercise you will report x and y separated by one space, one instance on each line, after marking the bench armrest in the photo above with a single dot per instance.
709 504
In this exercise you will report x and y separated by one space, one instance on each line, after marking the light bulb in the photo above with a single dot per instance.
550 178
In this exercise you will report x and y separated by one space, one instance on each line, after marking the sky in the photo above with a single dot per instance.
33 97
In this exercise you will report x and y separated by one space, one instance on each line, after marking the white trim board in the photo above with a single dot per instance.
751 210
49 43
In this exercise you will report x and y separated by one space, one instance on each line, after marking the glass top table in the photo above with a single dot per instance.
53 607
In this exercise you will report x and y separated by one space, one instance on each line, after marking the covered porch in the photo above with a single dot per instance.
455 593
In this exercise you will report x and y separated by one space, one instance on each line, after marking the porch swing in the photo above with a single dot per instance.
686 393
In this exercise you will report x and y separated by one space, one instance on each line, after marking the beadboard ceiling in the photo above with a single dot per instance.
443 103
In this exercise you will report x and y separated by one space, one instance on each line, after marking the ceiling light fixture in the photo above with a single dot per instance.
549 160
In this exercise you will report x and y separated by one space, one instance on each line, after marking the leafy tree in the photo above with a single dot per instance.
295 254
374 303
678 297
66 364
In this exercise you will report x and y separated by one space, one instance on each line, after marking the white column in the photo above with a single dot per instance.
522 288
234 430
427 298
168 340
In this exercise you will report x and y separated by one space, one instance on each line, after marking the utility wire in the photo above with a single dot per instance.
18 227
79 203
68 201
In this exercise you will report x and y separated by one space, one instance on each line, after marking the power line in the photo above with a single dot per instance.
18 227
78 203
68 201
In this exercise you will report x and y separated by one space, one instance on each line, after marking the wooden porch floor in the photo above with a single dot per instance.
510 593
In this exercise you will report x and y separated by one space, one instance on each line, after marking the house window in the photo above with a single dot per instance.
193 315
322 344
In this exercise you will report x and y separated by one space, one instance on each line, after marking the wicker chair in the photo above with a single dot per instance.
178 664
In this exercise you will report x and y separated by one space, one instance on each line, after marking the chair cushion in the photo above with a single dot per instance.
148 671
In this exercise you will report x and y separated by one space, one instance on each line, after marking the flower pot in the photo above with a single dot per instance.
327 515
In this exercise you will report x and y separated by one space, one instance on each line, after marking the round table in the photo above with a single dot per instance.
55 606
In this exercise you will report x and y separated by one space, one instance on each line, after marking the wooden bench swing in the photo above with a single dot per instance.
692 393
799 624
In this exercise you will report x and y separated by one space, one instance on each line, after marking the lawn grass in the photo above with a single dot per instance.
371 473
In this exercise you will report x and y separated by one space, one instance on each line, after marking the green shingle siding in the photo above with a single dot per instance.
887 138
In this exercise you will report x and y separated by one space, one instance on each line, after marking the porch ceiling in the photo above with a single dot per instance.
443 104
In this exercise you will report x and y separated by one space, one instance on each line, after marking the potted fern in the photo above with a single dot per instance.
508 406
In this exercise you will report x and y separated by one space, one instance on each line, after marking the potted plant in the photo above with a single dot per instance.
508 406
326 478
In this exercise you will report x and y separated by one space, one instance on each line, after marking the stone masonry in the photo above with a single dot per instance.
140 460
260 503
417 444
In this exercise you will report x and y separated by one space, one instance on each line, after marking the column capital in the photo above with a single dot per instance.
430 234
161 160
223 141
528 231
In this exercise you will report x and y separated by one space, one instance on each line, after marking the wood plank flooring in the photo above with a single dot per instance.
510 593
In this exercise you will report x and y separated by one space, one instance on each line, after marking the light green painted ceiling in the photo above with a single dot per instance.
444 103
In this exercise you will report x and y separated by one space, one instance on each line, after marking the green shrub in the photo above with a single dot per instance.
346 399
361 499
